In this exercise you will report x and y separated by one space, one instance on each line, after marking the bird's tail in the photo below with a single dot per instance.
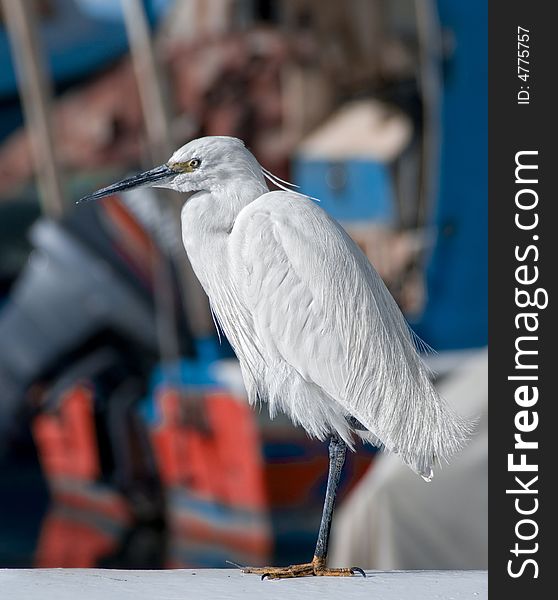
411 419
445 432
442 433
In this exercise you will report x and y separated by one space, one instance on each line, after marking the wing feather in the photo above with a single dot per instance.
317 304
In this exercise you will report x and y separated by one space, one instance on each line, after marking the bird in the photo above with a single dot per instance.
316 332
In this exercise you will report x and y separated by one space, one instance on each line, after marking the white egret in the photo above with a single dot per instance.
316 331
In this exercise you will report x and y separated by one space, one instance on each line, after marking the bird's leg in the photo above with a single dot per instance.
337 451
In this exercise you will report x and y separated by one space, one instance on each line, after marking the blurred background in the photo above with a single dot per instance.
125 436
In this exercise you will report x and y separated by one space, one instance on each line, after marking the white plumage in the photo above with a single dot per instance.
316 331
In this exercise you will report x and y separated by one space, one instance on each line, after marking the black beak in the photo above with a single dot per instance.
158 174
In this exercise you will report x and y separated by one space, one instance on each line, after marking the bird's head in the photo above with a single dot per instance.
205 164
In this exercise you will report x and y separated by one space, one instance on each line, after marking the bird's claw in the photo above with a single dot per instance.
316 567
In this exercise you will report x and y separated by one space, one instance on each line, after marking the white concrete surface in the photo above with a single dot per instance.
99 584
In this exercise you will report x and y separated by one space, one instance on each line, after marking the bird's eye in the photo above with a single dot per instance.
194 163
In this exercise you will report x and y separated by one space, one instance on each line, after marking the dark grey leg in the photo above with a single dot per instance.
337 451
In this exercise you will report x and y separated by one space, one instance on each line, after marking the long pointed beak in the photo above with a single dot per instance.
147 178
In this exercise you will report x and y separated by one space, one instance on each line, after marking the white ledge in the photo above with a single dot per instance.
183 584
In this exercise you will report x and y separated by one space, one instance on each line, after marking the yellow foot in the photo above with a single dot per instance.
315 568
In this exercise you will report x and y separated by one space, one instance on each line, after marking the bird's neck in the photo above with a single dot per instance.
208 219
214 212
